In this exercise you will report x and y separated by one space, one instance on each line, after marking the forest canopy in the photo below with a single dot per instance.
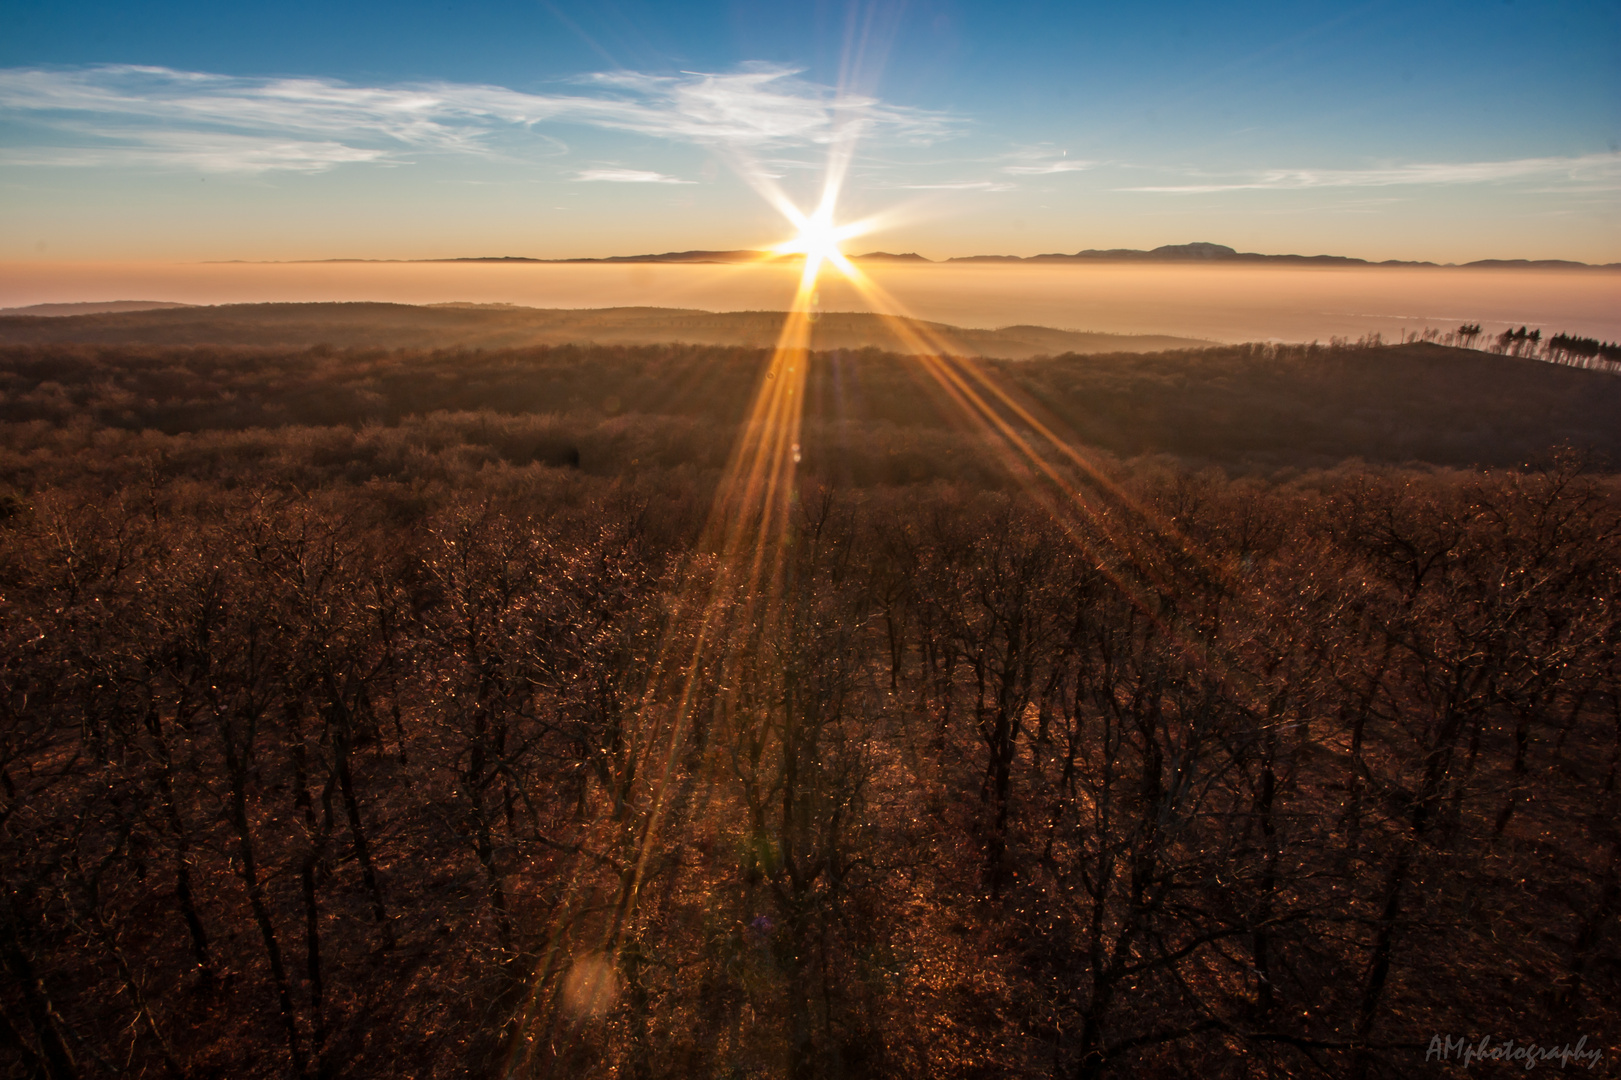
397 712
1254 407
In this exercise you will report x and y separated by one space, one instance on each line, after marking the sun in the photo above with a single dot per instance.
818 241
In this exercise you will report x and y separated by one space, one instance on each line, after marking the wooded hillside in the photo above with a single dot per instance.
357 718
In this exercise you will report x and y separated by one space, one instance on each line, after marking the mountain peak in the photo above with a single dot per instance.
1198 250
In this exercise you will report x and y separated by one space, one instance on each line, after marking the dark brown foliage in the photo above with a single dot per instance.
328 723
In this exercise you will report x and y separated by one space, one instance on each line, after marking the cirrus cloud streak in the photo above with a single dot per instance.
629 176
154 116
1587 167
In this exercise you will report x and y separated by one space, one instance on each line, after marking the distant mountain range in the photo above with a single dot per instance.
1221 253
1170 253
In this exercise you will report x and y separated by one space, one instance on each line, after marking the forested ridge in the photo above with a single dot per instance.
1256 408
332 741
508 326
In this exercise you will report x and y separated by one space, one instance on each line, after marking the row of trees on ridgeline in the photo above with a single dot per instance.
1561 348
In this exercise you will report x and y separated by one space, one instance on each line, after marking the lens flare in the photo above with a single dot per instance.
734 597
818 241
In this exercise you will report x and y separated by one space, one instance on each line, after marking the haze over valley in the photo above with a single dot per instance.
1217 303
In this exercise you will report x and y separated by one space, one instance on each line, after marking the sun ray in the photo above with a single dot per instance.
735 598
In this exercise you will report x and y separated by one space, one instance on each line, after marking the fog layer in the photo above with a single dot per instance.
1222 303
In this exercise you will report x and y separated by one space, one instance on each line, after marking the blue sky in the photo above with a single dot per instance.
1387 130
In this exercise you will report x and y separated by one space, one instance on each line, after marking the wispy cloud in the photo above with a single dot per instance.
212 152
152 112
760 105
1043 159
1048 168
124 114
630 176
962 185
1586 168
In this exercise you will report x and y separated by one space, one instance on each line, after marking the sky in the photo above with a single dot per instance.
191 130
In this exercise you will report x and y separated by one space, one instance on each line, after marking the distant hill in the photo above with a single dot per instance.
496 326
738 256
104 307
874 416
1539 264
1306 405
1182 253
667 257
1203 252
686 257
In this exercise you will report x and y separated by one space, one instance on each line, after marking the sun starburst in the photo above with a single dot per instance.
818 240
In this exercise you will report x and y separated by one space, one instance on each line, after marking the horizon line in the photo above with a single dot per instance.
1195 253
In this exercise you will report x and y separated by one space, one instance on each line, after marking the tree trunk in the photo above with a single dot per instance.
249 869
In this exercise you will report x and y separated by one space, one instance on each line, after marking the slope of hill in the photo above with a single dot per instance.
1249 407
103 307
504 326
1278 406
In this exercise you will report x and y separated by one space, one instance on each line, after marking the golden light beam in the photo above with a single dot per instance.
740 593
746 528
1142 540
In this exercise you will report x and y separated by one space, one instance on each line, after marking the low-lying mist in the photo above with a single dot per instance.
1222 303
